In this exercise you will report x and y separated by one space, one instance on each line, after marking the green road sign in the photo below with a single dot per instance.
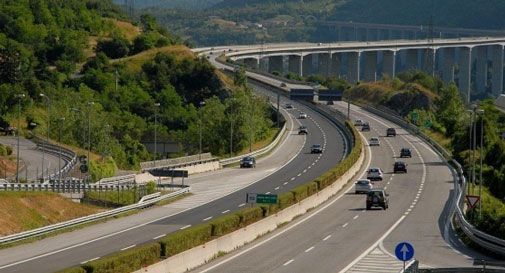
259 198
428 123
414 116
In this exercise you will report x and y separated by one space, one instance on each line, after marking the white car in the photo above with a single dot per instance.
358 122
374 141
302 116
363 186
374 173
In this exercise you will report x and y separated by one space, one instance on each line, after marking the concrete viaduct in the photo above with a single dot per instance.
475 64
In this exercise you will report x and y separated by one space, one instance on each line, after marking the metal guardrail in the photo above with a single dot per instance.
117 180
177 162
148 197
479 237
68 155
90 218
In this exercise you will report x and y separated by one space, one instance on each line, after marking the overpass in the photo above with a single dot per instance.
475 64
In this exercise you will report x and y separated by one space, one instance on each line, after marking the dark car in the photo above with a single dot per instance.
289 106
400 167
405 152
391 132
302 130
377 198
316 149
365 126
248 162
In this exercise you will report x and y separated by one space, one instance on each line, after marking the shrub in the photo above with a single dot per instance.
3 150
185 239
300 192
101 169
118 47
127 261
250 215
225 224
285 200
73 270
311 188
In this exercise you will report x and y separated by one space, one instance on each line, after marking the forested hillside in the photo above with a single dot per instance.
98 70
255 21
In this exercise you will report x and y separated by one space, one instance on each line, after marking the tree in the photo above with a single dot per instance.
116 48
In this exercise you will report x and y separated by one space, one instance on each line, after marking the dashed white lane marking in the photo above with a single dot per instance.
226 211
157 237
128 247
304 171
207 219
267 192
185 227
299 174
293 178
90 260
241 205
355 217
309 249
285 183
327 237
344 225
276 188
288 262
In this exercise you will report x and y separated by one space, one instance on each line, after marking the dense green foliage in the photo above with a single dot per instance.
225 224
103 168
109 106
185 239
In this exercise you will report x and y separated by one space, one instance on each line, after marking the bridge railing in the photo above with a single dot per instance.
67 155
178 162
479 237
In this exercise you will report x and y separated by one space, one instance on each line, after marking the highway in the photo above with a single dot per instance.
298 167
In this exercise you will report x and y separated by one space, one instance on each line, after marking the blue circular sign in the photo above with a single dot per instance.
404 251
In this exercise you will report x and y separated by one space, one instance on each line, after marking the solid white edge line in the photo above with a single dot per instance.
226 211
241 205
207 219
90 260
160 236
185 227
128 247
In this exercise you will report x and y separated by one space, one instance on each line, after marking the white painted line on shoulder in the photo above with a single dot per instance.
327 237
159 236
90 260
207 219
355 217
276 188
288 262
128 247
185 227
309 249
241 205
344 225
226 211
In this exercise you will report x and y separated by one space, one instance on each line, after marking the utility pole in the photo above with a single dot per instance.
48 102
19 97
157 105
481 113
59 144
90 104
202 103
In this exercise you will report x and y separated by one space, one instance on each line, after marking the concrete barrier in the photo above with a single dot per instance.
200 255
203 167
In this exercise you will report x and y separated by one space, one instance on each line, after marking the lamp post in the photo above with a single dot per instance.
19 97
157 105
59 145
90 104
202 103
470 141
232 104
48 105
481 113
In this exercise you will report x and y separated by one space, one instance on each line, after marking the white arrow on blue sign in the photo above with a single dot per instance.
404 251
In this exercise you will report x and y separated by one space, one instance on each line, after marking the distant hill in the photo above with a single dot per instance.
169 4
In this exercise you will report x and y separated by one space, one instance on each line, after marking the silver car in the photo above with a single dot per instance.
363 186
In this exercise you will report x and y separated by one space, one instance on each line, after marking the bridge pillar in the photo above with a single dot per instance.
295 64
275 63
324 64
481 67
389 63
263 64
307 65
353 61
252 63
429 60
336 59
448 65
371 66
497 76
411 62
465 62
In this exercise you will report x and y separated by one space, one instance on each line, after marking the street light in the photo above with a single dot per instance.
232 103
48 105
19 97
90 104
202 103
481 113
155 131
59 144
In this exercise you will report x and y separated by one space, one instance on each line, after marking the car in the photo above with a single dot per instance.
302 130
405 152
283 84
400 166
302 116
319 44
289 106
391 132
374 173
377 198
358 122
374 141
363 186
330 102
365 126
316 149
248 162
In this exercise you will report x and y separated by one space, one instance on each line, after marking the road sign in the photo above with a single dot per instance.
472 200
259 198
404 251
83 168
